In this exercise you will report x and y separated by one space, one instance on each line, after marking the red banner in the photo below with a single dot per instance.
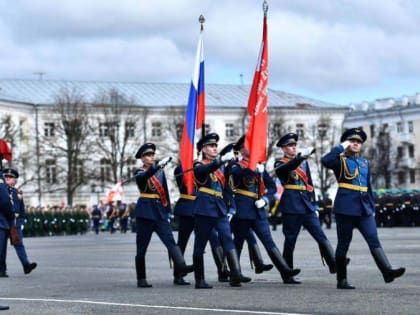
256 135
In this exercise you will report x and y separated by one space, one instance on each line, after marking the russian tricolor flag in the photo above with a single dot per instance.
194 117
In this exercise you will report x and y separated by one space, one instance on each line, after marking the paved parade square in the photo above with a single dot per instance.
95 274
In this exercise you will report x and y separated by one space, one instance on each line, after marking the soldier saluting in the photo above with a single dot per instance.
354 205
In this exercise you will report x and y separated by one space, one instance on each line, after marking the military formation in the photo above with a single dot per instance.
229 202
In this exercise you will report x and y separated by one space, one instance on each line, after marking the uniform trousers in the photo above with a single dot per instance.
345 225
145 229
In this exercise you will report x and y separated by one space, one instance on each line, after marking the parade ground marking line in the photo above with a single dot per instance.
185 308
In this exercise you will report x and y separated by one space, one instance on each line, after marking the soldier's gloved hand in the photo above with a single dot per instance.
260 203
305 153
162 163
260 168
345 144
227 157
231 213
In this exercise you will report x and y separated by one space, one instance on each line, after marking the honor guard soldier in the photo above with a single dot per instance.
152 212
96 216
254 191
123 214
184 210
211 210
298 205
354 205
11 175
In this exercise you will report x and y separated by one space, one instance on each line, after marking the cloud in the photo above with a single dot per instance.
324 47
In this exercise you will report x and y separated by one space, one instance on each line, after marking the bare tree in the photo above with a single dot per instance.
117 122
322 139
380 157
68 143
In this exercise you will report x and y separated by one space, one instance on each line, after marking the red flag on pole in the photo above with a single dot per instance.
194 116
256 135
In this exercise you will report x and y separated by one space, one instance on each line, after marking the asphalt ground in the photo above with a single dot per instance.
95 274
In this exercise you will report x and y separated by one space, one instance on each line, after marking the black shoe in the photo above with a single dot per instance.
223 276
142 283
392 274
244 279
29 267
202 284
180 281
343 284
263 267
3 274
3 307
292 280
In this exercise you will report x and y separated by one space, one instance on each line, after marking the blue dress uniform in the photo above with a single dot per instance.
210 212
7 220
248 187
298 205
184 210
354 205
19 210
96 216
152 215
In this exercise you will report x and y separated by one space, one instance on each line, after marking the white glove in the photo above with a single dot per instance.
162 163
260 168
260 203
345 144
227 157
305 153
229 216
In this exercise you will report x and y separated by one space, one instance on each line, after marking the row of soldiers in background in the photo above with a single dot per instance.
397 208
49 221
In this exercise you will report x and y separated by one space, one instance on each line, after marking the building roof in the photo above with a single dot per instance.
43 92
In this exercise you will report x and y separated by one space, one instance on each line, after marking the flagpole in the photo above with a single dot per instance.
201 20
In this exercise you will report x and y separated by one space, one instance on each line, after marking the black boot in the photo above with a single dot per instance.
257 260
219 259
341 265
288 258
180 267
236 276
3 307
179 280
141 272
384 265
286 272
29 267
200 283
328 255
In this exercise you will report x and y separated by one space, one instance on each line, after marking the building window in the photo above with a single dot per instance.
49 129
103 130
179 128
229 130
372 131
322 130
105 171
400 152
411 151
50 172
300 130
207 128
399 127
410 127
401 178
130 129
156 129
412 176
277 130
131 167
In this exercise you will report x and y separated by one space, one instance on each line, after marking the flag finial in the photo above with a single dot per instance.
265 7
201 19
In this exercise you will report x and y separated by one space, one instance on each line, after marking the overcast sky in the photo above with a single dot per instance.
341 51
